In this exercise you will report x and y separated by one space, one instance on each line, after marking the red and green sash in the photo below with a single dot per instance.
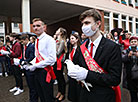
93 66
59 64
49 69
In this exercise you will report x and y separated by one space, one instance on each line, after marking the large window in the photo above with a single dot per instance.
15 25
130 3
137 26
124 22
106 21
1 25
115 20
136 3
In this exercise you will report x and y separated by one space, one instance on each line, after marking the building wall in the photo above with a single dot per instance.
114 7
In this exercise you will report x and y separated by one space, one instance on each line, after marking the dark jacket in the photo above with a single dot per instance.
128 64
108 56
29 53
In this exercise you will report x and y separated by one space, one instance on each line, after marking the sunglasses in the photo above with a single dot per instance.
133 41
36 25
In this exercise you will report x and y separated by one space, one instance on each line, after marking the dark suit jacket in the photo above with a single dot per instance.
29 53
108 56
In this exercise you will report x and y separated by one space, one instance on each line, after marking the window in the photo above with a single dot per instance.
15 25
106 21
136 3
115 15
131 24
1 34
130 19
106 24
137 26
1 25
106 14
123 2
124 22
115 20
130 3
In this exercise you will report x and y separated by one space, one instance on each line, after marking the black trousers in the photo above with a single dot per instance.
30 79
18 76
74 90
60 78
44 89
134 97
3 64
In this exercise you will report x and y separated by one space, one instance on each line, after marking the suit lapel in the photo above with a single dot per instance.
99 49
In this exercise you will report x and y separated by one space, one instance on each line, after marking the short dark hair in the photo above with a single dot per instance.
14 35
24 36
132 38
91 13
38 19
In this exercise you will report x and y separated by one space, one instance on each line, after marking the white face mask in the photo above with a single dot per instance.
87 30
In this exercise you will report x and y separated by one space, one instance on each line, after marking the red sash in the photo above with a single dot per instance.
49 69
59 64
93 66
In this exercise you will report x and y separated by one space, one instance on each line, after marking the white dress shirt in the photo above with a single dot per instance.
95 45
47 49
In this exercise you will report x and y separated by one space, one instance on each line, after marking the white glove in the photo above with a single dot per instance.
16 61
79 73
30 67
3 52
23 67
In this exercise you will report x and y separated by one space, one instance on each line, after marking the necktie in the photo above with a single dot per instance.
37 40
24 51
71 54
91 51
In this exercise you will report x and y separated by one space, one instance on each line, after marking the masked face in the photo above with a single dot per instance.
87 30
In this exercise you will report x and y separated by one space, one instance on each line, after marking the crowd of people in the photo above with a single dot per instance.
94 62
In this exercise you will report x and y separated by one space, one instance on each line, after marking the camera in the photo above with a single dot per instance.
134 48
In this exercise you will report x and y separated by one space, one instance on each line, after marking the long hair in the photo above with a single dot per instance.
63 36
78 43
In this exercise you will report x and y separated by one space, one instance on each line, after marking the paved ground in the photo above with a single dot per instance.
7 82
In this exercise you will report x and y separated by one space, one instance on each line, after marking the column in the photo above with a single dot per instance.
8 27
134 26
133 2
111 21
127 23
127 2
26 15
120 21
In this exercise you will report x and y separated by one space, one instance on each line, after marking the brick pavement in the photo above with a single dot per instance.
7 82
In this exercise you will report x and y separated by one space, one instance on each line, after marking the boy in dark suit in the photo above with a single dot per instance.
27 56
99 64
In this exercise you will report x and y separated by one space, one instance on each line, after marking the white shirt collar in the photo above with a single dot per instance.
28 43
14 42
96 42
42 35
74 47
